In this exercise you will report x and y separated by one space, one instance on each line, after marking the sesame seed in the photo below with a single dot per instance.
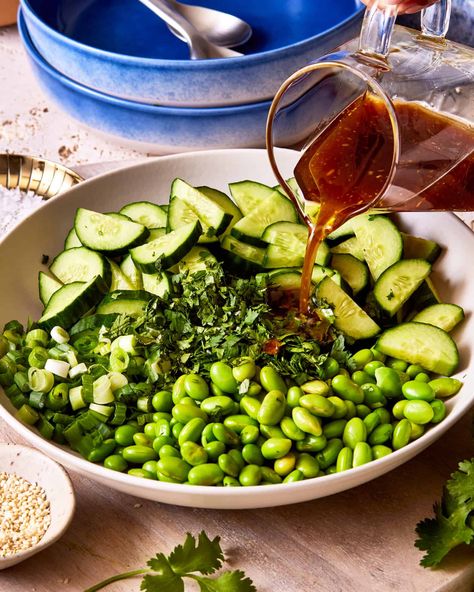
24 514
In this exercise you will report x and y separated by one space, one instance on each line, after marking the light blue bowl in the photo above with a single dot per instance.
150 128
122 49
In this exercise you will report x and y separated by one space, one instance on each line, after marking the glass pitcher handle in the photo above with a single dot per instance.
377 29
435 19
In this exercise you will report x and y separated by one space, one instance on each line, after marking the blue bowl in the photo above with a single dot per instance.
150 128
122 49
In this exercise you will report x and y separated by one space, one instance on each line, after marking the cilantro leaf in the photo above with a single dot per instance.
229 581
164 580
206 556
437 536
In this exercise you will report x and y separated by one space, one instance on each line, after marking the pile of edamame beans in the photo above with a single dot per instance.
247 426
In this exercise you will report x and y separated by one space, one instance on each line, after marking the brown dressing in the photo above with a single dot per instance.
346 168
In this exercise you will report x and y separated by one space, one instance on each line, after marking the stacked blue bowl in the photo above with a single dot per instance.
116 67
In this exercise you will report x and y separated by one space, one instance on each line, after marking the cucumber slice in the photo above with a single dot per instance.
72 240
351 247
397 283
68 304
155 233
223 201
284 279
80 264
168 249
128 302
130 271
47 286
198 259
353 271
146 213
349 318
195 205
108 234
280 256
343 232
119 216
119 279
445 316
286 234
252 226
320 272
157 283
419 343
415 247
249 195
241 257
380 240
95 321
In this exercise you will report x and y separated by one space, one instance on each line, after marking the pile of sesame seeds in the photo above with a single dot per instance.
24 514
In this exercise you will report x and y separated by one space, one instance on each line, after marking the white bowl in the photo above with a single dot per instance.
44 231
36 467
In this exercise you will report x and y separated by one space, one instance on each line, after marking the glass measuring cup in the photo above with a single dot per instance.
394 68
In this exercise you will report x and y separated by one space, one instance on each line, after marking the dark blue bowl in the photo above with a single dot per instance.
149 127
122 49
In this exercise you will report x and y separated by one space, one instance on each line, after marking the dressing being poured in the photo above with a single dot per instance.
349 165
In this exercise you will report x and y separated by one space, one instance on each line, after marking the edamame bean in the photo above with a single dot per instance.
417 431
317 405
284 465
379 356
316 387
373 396
168 450
401 434
416 390
250 406
372 420
294 476
229 465
362 410
418 411
162 428
138 454
328 456
276 448
445 387
422 377
340 407
271 380
250 475
331 470
291 430
149 429
178 391
193 453
348 390
162 415
207 434
350 409
221 375
174 468
244 369
355 431
115 462
225 435
306 421
388 381
293 396
214 449
191 431
270 476
311 444
381 434
335 428
239 422
151 467
166 479
218 406
184 412
237 456
384 415
176 429
380 451
360 377
413 369
398 409
162 401
361 358
215 390
124 434
252 454
272 408
362 454
161 441
254 389
102 451
307 464
230 482
141 440
330 368
399 365
249 434
439 410
344 459
141 473
371 367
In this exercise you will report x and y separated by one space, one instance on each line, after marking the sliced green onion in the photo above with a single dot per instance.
62 418
36 337
21 381
12 337
117 380
6 378
59 334
145 404
38 356
85 343
12 390
127 343
15 326
27 414
88 388
102 393
75 398
104 410
120 413
85 445
37 400
73 434
144 418
72 358
6 363
18 400
77 370
102 348
40 379
58 397
89 421
4 346
57 367
119 360
45 428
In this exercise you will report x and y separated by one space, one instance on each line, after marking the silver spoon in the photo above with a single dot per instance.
199 46
220 28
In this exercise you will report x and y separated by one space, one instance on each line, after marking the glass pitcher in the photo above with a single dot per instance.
406 96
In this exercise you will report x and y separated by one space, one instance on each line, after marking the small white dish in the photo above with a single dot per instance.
36 467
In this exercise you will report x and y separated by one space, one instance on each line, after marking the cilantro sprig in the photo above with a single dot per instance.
452 524
194 559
